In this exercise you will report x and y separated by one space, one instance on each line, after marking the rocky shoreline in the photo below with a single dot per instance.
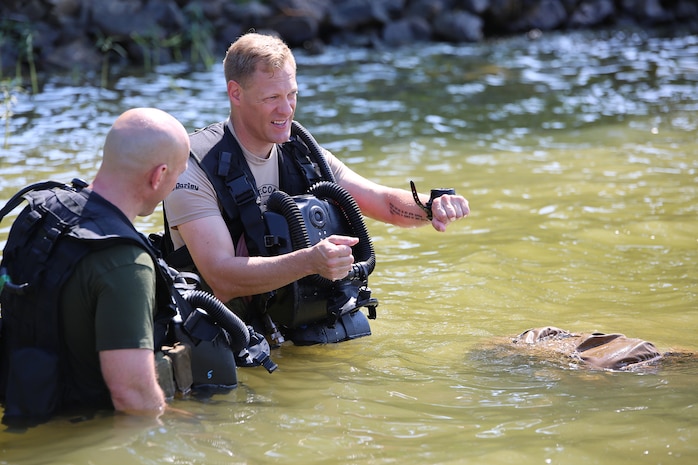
83 36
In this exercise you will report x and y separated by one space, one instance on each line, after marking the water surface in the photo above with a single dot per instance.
577 153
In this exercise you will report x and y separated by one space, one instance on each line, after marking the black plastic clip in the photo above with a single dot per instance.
434 194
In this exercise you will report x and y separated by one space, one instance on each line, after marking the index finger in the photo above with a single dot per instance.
343 240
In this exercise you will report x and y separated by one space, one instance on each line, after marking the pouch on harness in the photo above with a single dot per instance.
217 339
313 309
60 226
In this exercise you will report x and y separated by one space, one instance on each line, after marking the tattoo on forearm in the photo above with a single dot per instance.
395 210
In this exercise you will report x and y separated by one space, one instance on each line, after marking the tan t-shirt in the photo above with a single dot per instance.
194 197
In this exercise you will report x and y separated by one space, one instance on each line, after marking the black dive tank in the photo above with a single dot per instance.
304 302
300 222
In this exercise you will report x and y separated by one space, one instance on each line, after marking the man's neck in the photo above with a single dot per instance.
259 152
116 197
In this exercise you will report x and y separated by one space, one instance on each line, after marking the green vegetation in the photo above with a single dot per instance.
151 45
195 39
107 45
19 37
192 44
198 35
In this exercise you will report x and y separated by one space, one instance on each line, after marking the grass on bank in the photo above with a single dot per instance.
191 45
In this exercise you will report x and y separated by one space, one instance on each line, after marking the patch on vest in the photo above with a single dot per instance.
186 185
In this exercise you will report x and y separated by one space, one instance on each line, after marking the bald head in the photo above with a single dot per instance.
142 138
145 151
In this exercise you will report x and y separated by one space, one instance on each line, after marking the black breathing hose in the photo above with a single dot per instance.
282 203
226 319
365 255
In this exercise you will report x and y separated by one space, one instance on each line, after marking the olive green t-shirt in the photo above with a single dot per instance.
107 304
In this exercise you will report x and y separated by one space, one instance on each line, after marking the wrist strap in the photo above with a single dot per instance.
434 194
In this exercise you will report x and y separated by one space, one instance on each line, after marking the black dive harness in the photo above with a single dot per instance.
60 226
308 207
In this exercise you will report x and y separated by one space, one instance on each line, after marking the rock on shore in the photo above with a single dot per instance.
85 35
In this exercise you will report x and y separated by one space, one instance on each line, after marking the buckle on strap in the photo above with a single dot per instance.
271 240
242 191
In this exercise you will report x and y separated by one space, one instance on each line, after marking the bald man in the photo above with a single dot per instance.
108 301
144 153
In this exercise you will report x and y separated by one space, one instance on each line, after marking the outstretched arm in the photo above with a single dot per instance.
397 206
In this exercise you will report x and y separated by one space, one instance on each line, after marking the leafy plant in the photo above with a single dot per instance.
20 37
152 44
106 45
198 35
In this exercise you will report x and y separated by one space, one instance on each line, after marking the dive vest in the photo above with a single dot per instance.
308 207
59 227
215 149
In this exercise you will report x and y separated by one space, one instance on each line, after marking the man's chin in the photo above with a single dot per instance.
282 136
145 213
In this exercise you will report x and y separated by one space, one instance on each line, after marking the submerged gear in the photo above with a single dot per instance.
61 225
308 207
220 340
597 350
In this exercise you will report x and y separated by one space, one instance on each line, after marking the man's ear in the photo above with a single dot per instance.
157 175
234 90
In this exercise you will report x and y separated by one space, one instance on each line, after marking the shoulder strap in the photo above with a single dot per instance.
17 199
299 172
226 168
55 211
35 233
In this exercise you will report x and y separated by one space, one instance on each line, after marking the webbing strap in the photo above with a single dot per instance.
19 196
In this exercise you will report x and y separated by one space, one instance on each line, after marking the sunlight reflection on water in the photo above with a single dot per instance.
577 154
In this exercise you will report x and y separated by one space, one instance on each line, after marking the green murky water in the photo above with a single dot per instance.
578 154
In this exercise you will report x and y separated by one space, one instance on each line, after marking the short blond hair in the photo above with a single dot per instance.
254 51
